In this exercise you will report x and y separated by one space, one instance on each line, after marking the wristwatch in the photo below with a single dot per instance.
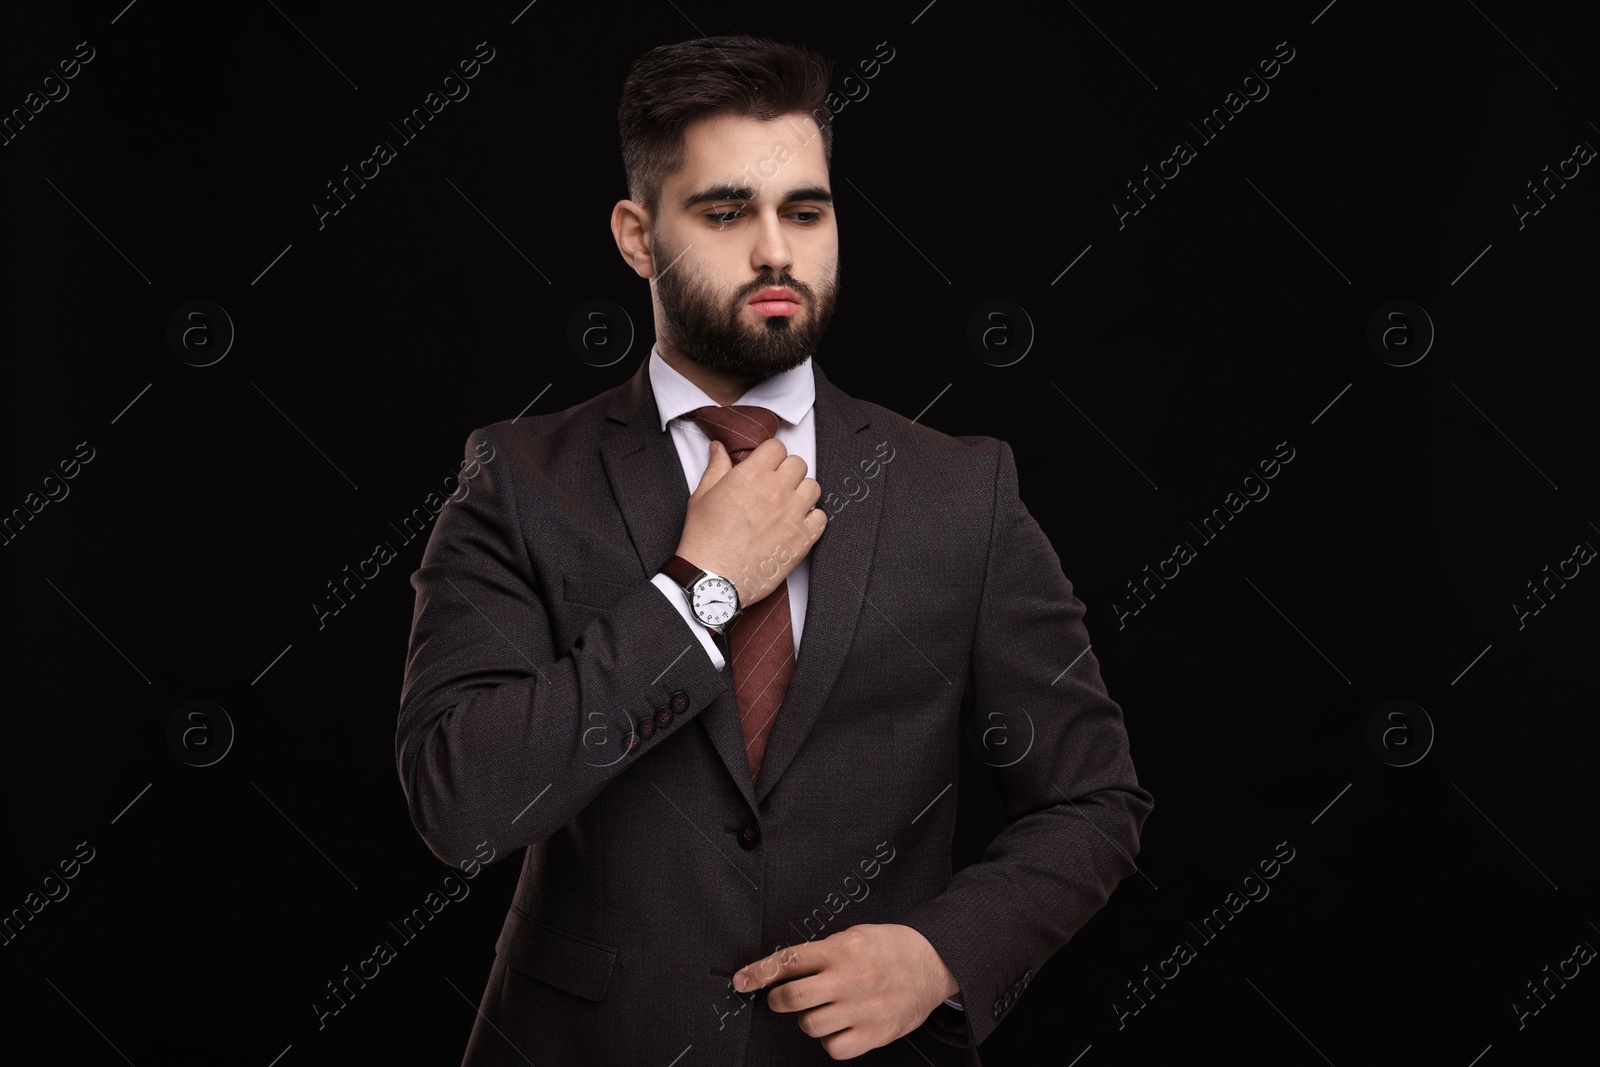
712 598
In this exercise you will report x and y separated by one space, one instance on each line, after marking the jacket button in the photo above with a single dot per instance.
664 717
1009 999
749 835
630 742
679 701
997 1009
646 726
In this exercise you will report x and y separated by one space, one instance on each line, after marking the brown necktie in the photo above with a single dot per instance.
761 639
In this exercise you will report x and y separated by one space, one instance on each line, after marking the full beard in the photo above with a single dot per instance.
712 330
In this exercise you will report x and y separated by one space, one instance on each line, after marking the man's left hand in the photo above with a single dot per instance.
857 989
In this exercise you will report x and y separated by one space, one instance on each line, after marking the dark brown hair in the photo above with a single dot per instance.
673 85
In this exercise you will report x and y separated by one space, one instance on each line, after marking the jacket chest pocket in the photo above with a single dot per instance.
583 599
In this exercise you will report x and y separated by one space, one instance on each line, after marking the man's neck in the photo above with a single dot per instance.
723 388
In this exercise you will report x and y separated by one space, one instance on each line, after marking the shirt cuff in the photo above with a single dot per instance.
674 592
955 1002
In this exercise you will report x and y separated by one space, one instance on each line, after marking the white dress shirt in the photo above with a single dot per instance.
791 395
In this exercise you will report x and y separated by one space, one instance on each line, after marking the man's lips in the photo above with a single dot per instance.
774 300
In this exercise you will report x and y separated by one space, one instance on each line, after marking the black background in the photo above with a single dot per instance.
1227 316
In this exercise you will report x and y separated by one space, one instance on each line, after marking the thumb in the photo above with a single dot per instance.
718 465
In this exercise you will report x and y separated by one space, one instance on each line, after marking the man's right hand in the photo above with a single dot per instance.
753 523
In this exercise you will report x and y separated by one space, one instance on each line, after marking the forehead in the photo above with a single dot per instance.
785 153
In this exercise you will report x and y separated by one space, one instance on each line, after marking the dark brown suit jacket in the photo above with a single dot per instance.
555 701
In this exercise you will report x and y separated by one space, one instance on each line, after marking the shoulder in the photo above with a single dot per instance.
962 457
553 443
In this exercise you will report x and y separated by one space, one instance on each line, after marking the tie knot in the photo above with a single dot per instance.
740 427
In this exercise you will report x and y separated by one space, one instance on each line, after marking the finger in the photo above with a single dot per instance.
759 975
807 529
769 453
820 1022
779 967
717 465
806 995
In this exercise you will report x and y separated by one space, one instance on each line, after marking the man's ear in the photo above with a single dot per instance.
630 225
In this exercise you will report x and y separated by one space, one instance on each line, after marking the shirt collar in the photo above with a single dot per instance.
790 394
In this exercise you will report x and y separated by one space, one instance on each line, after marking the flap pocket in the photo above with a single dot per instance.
537 949
593 592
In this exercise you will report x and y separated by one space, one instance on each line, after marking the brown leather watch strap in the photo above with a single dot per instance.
682 571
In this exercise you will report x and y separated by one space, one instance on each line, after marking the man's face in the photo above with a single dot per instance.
750 209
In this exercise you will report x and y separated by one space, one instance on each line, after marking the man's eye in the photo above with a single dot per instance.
723 218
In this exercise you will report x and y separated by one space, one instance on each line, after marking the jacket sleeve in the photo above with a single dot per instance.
1072 806
499 738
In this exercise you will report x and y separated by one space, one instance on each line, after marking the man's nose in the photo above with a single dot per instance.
771 253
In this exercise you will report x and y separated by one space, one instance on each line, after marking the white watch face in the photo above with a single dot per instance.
713 600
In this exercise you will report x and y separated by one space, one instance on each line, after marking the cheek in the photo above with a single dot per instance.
821 272
825 256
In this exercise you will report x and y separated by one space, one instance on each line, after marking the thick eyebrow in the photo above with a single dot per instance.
744 194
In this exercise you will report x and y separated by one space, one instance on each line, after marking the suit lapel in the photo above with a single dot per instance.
646 479
836 587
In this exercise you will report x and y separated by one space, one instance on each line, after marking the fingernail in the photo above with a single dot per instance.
740 982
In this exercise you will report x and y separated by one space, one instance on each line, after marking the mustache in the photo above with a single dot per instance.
800 288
